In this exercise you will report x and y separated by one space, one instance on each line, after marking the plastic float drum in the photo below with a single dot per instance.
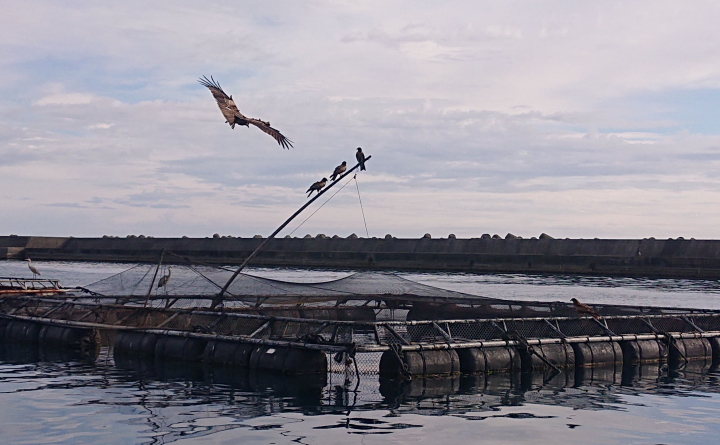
179 348
222 352
604 353
3 326
288 360
22 331
690 349
73 338
715 345
644 351
487 360
135 343
420 362
558 354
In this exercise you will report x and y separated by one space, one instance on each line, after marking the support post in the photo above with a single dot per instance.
147 296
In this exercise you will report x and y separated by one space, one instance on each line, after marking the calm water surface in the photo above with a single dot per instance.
48 398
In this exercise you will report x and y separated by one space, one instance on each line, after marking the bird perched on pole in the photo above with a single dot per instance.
360 156
164 279
32 268
583 308
317 186
339 170
234 117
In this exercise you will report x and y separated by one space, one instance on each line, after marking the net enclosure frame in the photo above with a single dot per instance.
363 339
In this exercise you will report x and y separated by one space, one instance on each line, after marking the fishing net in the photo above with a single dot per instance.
196 285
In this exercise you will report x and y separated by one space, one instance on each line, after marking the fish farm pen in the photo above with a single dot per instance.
366 323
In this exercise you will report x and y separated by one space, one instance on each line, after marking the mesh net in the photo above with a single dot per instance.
201 283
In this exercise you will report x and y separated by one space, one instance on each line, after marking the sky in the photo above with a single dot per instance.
579 119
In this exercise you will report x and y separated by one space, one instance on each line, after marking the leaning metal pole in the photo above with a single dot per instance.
219 297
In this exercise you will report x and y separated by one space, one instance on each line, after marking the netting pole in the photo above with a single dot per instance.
219 297
147 297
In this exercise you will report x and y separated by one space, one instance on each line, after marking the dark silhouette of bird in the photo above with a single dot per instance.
583 308
164 280
339 170
234 117
360 156
32 268
317 186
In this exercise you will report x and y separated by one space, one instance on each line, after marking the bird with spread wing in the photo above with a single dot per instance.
234 117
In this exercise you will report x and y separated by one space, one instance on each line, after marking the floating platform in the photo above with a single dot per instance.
28 286
400 332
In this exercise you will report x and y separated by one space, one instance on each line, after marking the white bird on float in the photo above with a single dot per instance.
32 268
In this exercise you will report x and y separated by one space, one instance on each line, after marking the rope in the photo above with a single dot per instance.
115 275
194 261
316 210
361 206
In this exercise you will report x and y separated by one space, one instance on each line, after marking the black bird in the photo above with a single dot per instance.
583 308
316 187
234 117
339 170
360 156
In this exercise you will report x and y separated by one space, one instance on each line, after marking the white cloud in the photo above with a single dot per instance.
480 116
65 99
100 126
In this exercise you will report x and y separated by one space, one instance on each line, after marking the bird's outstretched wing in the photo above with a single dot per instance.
225 103
265 126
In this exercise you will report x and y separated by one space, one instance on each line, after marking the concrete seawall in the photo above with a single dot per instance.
647 257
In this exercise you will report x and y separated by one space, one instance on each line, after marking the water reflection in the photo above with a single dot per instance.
165 402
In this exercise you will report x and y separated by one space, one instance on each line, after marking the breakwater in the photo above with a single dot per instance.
678 258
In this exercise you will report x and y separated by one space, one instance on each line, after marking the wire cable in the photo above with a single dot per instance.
316 210
361 206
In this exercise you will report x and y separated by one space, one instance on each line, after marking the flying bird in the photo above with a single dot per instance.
164 280
234 117
32 268
583 308
339 170
360 156
316 187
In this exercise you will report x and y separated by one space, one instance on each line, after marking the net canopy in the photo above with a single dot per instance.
205 282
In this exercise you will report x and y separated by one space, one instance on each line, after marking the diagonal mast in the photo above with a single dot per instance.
219 297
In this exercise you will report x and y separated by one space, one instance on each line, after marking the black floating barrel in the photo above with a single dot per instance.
420 362
589 355
171 347
690 349
487 360
644 351
135 343
715 345
557 354
22 331
288 360
3 326
231 353
69 337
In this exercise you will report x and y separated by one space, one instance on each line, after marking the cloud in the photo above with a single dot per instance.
65 99
572 118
